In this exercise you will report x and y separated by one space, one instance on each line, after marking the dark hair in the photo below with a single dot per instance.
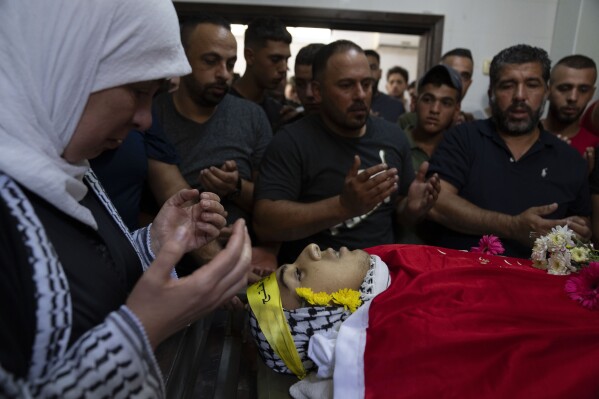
188 25
322 56
262 29
458 52
374 54
412 85
519 54
402 71
306 54
577 61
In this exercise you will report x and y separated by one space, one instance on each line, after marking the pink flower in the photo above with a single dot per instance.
489 244
584 287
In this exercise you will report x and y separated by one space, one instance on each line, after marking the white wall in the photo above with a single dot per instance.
576 30
394 49
484 26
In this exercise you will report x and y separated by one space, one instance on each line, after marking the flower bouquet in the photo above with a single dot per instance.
561 253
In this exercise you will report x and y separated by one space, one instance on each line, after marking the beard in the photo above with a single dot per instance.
352 121
564 117
515 127
204 95
346 119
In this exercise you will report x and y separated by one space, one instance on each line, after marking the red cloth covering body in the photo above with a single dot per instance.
464 325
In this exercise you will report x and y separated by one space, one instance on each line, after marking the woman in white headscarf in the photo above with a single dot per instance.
78 317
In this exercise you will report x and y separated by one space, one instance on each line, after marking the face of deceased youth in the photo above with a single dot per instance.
322 271
108 117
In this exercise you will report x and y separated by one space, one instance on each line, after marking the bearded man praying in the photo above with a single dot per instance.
507 175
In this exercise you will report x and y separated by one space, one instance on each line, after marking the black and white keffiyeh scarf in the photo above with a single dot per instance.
308 321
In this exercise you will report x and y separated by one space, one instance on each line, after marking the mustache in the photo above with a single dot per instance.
519 106
568 107
220 86
358 107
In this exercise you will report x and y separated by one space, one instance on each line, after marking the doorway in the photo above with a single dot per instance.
428 27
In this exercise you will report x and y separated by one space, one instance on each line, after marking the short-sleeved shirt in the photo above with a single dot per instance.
307 162
272 108
419 156
238 130
476 161
408 121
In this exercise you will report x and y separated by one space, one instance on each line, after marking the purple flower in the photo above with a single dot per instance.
584 287
490 245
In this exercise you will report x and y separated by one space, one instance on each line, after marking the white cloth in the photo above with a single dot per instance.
348 374
312 387
339 355
54 54
322 351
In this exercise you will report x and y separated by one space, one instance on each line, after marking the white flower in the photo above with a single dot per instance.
580 254
559 238
540 264
539 250
559 263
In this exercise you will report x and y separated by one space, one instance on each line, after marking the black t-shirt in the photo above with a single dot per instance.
474 159
306 162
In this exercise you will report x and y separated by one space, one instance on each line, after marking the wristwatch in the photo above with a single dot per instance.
237 192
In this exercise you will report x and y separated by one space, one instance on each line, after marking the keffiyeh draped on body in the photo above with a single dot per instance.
308 322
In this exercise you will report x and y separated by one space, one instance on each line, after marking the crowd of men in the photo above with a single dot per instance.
352 166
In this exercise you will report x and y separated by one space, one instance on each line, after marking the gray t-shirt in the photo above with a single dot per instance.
238 130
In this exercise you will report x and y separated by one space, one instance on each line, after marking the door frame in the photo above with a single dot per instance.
428 26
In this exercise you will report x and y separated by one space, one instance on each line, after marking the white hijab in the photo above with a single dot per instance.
53 55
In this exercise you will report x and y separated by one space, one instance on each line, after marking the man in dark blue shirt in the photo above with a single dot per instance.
506 175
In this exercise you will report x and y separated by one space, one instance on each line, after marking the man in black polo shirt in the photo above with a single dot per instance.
506 175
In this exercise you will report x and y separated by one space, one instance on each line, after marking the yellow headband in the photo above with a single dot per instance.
265 300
